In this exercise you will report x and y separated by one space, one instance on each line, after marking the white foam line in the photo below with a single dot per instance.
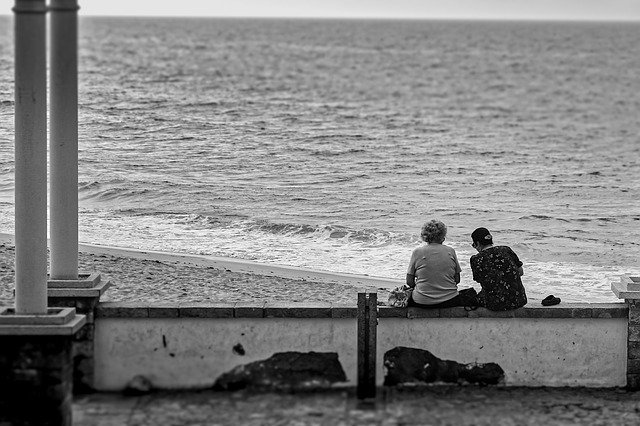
236 265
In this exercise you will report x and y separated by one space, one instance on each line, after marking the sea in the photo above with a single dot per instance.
326 144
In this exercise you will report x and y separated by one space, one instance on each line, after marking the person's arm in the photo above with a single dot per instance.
411 272
474 268
458 269
518 262
411 280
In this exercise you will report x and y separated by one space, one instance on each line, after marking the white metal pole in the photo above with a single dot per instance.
63 144
30 156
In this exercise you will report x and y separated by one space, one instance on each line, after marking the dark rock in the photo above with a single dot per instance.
410 365
286 371
139 385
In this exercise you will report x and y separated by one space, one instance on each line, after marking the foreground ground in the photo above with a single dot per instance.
438 405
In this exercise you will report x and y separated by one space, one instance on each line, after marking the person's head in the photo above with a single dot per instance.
434 231
481 237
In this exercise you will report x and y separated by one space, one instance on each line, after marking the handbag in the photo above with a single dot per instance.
399 296
469 298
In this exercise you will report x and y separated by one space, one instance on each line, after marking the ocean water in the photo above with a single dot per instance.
326 144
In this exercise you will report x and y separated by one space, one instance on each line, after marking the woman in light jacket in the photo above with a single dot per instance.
434 271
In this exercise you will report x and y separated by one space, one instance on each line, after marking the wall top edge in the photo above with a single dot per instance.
330 310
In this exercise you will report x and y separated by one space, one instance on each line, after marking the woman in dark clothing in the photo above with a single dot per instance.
498 270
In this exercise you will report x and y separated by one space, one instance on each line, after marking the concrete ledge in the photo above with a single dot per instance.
327 310
288 310
344 311
85 280
246 310
78 292
208 310
55 316
626 289
632 283
67 329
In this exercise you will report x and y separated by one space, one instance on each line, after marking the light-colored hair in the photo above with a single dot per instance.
433 231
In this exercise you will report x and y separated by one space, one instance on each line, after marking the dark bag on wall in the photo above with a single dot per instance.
469 298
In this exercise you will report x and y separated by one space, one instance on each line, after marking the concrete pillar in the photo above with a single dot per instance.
629 289
64 139
30 156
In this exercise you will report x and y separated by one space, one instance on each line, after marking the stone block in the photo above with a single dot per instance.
457 312
581 312
218 310
392 312
163 312
634 333
121 310
486 313
633 382
414 312
633 366
344 311
248 310
289 310
544 312
633 350
634 316
610 310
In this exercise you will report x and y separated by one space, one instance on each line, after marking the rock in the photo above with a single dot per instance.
139 385
410 365
285 371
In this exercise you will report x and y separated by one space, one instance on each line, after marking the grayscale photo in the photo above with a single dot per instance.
348 212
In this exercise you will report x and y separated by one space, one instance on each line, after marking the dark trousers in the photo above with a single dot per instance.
456 301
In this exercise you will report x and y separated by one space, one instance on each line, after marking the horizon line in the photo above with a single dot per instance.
377 18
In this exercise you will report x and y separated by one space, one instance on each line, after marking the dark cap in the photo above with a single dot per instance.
482 236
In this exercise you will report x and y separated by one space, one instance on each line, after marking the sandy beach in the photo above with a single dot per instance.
156 277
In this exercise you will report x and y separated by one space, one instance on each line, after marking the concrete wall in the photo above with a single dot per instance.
178 347
532 351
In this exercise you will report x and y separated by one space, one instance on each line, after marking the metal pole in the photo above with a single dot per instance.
367 328
63 144
30 156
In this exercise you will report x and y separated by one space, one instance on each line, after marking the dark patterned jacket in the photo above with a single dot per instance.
496 269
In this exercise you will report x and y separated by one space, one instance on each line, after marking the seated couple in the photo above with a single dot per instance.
434 272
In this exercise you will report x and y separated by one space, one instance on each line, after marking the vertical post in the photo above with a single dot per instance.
367 327
30 156
633 345
64 139
629 289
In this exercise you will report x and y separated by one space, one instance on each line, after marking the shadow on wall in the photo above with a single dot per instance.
410 365
286 371
308 371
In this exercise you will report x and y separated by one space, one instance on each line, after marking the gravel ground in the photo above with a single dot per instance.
432 405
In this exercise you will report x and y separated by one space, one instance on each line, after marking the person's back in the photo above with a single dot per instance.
435 270
498 270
